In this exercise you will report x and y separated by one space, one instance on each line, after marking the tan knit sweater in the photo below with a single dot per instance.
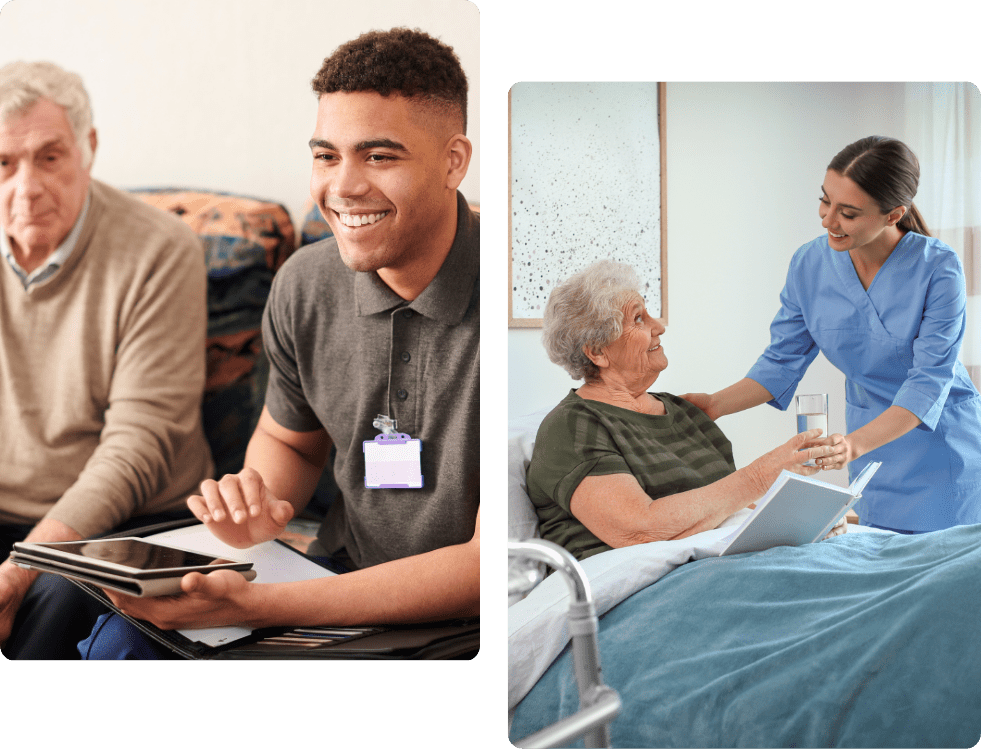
102 370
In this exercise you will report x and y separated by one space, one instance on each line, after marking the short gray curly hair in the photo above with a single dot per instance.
586 311
23 83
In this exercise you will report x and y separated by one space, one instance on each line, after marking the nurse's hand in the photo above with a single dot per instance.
841 453
839 528
705 402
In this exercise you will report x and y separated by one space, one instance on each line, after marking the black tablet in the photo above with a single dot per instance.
133 565
130 556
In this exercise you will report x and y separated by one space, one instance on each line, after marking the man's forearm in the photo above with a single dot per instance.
437 585
287 472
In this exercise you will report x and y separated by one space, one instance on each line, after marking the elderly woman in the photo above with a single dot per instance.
616 465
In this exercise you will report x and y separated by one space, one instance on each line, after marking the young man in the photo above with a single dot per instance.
381 319
102 362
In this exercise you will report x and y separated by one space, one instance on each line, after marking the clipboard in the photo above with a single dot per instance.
393 461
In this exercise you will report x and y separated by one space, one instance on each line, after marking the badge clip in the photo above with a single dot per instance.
385 424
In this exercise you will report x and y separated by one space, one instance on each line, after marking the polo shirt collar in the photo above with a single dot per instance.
447 296
57 258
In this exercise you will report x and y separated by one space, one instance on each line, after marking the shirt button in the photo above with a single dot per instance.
407 314
402 395
406 356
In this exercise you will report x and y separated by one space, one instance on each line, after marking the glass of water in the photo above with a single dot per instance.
812 413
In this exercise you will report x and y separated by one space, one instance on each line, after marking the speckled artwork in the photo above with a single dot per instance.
585 185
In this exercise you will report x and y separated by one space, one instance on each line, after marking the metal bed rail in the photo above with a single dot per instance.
598 703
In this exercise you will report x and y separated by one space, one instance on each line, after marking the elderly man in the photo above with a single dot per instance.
102 326
382 319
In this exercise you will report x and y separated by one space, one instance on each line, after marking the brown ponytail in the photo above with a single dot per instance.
913 221
888 171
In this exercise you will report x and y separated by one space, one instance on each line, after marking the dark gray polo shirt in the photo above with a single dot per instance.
342 348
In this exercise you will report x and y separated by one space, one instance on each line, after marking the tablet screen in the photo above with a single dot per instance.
131 552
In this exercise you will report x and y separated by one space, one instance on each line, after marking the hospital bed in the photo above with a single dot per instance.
867 639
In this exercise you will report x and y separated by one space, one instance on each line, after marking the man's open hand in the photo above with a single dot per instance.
216 599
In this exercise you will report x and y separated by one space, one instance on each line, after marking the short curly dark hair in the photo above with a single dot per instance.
404 61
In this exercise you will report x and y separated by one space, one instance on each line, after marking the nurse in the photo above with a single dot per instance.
885 303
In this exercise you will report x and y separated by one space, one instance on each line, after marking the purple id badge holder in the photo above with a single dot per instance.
393 461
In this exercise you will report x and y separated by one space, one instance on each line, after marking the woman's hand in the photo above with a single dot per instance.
839 528
790 456
705 402
738 397
842 452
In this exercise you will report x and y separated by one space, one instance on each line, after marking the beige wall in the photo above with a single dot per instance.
216 93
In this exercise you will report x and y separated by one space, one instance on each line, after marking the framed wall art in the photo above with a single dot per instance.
587 182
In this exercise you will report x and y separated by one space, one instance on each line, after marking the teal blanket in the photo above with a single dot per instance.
865 640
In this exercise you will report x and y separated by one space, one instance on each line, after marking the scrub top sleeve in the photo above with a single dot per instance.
936 347
792 349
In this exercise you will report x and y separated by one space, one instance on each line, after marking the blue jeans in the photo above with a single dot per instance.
115 639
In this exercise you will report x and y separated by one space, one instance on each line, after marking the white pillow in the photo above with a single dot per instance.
522 520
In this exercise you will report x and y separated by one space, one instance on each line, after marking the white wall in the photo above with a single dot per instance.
216 93
745 162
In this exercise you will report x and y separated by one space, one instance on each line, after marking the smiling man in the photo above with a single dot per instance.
375 328
102 359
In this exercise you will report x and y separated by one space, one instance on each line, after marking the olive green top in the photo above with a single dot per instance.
669 454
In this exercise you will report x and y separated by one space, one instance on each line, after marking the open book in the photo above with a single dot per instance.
796 510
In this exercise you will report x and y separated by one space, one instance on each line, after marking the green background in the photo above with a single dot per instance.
463 704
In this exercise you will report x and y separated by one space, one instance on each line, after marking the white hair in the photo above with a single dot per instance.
586 312
23 83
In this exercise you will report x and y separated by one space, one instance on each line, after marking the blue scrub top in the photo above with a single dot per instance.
897 344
